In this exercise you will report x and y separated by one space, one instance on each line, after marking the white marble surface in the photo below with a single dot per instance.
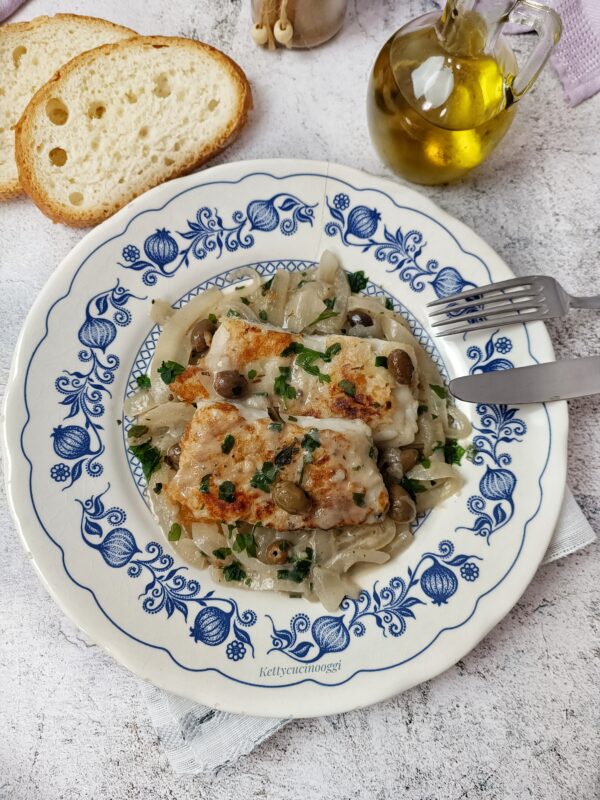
519 716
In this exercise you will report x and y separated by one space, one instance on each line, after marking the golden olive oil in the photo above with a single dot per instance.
438 107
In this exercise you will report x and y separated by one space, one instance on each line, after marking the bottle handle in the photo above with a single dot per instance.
548 27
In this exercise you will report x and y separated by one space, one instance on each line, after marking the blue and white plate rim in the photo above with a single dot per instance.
354 691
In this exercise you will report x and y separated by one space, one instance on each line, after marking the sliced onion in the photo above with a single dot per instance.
328 268
244 273
277 297
303 308
208 537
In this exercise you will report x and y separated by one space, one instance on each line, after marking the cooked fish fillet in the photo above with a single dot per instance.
231 458
344 380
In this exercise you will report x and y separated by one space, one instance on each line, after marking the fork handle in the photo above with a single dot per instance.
585 302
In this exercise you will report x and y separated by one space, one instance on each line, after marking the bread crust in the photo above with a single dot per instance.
58 212
13 188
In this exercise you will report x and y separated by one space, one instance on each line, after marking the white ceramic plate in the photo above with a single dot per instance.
78 498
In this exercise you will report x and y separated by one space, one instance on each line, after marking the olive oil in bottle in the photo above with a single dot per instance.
441 93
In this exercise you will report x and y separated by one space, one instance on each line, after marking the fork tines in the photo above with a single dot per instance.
503 303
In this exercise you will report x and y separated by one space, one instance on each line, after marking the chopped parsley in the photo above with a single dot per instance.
276 426
233 313
306 361
245 541
204 484
359 499
169 370
348 387
143 381
174 532
252 374
412 486
266 286
306 358
148 456
227 444
157 488
281 386
356 468
300 568
311 440
212 318
422 408
285 456
227 491
453 452
381 361
439 390
292 349
292 419
389 303
332 351
263 315
136 431
372 452
234 572
323 316
263 478
426 462
357 281
329 302
244 300
221 553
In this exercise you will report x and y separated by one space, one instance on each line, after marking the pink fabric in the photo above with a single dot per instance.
8 7
576 58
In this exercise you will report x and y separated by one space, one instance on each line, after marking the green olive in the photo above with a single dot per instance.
358 316
401 367
402 508
201 335
408 459
230 384
291 497
276 552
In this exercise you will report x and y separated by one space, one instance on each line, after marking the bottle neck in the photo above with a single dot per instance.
472 26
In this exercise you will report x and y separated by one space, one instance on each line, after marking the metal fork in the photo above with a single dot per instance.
516 300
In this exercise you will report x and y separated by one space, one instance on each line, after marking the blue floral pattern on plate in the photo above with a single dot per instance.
167 588
435 578
209 234
388 607
401 250
403 238
498 426
84 392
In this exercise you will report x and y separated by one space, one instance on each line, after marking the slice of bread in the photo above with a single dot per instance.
30 54
124 117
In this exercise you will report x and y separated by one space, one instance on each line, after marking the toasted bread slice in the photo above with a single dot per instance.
30 54
124 117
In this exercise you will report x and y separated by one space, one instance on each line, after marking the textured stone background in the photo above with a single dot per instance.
519 716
